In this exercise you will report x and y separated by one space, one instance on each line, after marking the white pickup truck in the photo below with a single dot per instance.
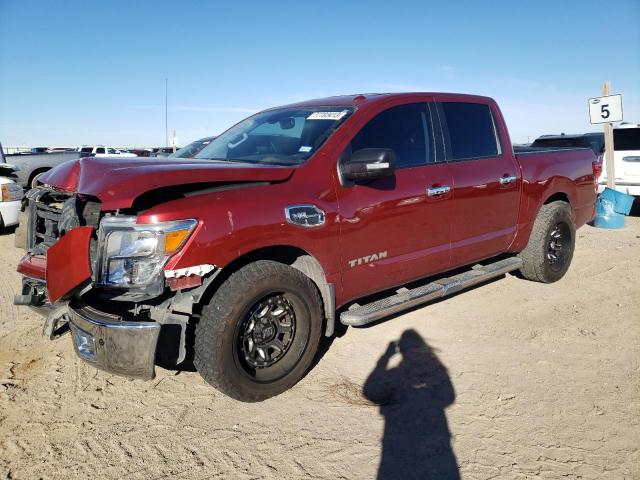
626 155
102 151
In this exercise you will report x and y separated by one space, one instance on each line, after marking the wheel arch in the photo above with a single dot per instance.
36 171
555 197
557 189
297 258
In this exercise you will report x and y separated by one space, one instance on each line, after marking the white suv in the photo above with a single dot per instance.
102 151
626 155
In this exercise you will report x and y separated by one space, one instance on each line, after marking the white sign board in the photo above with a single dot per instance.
605 109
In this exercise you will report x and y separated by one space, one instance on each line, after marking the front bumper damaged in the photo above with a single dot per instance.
110 343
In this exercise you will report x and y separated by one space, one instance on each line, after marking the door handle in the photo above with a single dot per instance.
437 191
507 179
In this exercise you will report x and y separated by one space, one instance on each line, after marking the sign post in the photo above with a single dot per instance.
607 109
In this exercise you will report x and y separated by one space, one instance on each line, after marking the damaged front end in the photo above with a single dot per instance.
101 275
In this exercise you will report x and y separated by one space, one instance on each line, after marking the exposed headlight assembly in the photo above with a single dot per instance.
133 255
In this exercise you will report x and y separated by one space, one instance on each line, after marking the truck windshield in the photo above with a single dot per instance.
626 139
285 136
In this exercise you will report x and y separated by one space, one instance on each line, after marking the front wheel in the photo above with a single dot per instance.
260 332
549 252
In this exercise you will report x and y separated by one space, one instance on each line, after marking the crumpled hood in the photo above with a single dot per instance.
117 182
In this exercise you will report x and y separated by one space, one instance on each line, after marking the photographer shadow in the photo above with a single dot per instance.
413 397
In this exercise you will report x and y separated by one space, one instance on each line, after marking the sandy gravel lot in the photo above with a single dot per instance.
510 380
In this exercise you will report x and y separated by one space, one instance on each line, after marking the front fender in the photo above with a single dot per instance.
233 223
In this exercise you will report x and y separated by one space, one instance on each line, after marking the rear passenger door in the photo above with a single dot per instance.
486 182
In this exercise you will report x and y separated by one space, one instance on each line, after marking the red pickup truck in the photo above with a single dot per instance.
344 209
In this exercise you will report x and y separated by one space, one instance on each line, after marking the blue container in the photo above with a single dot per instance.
621 201
606 215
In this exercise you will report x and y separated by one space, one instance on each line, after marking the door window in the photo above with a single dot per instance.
403 129
100 150
472 132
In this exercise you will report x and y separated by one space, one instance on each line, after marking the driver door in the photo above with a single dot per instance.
391 231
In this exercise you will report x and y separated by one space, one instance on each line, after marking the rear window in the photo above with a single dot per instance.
471 130
86 149
626 139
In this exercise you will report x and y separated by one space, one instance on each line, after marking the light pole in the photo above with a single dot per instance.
166 114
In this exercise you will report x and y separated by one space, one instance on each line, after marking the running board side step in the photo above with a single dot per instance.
405 299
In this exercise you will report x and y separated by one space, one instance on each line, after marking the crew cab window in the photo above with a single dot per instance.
111 150
86 149
100 150
472 132
402 129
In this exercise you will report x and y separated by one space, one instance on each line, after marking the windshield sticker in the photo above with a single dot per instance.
305 149
327 115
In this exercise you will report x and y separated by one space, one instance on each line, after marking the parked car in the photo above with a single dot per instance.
60 149
626 156
38 150
163 152
594 141
192 149
288 223
104 152
140 152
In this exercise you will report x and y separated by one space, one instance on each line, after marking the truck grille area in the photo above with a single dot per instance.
53 213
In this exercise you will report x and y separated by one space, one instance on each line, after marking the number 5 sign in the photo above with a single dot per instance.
605 109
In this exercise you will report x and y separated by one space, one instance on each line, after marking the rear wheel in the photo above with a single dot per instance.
550 249
260 332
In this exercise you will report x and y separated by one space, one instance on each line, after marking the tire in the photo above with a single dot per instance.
548 254
240 358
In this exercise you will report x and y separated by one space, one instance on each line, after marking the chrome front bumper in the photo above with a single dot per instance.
111 344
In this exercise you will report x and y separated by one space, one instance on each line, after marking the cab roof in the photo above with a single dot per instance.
360 99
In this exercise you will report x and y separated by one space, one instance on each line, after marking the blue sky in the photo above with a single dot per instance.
82 72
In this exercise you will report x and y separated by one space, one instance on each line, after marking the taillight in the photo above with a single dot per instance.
597 169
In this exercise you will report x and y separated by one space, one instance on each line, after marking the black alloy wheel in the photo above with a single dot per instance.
558 248
267 331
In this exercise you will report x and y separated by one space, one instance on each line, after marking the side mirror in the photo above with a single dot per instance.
369 164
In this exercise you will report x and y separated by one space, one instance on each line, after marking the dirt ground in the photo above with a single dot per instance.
510 380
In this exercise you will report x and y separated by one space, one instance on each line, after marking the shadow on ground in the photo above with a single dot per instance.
413 397
6 230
